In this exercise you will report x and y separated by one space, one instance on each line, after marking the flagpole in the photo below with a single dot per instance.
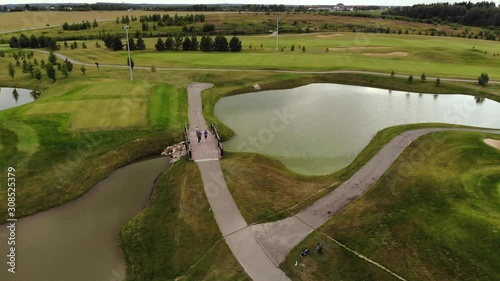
277 32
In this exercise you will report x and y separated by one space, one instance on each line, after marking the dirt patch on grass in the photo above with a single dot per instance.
329 35
355 48
393 54
492 142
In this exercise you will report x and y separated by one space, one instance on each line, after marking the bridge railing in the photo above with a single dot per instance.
189 153
216 134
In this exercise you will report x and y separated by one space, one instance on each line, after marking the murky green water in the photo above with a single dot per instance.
78 241
9 98
320 128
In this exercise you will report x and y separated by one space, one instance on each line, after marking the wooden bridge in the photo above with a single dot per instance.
208 149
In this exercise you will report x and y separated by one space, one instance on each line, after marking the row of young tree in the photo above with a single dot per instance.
34 67
467 13
206 44
33 41
482 80
79 25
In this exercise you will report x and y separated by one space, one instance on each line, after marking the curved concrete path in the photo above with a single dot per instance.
234 228
63 57
280 237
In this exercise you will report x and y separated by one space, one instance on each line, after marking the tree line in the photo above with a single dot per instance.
33 41
167 20
102 6
114 42
79 25
481 14
206 44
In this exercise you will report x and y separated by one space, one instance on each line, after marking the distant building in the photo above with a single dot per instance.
331 8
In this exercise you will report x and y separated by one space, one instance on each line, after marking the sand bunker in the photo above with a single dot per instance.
329 35
355 48
393 54
492 142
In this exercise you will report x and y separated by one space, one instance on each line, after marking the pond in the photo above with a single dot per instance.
78 241
320 128
12 97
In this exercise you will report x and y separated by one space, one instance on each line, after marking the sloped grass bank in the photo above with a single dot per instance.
176 236
433 216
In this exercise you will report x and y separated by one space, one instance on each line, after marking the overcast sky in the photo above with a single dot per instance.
286 2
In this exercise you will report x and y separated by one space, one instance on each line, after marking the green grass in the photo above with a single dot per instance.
436 56
56 148
434 217
102 114
256 181
167 98
177 237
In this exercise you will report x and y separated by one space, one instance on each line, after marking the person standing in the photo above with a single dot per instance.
206 134
198 135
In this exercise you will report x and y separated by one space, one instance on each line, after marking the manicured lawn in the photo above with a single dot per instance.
432 216
435 56
168 98
177 237
102 114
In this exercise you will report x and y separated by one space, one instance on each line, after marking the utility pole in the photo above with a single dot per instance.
129 58
277 32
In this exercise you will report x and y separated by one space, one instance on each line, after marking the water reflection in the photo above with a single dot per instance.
35 94
12 97
479 100
15 95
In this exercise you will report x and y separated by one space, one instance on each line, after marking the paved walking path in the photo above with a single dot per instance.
233 226
207 149
280 237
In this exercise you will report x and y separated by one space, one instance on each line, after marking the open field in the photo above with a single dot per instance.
432 216
188 245
227 22
30 19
